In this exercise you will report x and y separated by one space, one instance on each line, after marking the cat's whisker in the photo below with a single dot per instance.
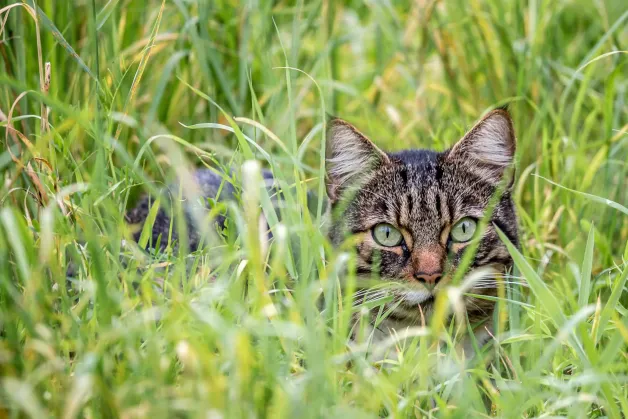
497 283
478 289
501 282
493 286
370 297
500 279
476 276
369 294
500 275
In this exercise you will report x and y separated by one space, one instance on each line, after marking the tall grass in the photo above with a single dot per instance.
140 92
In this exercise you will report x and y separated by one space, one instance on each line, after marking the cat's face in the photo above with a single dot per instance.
413 213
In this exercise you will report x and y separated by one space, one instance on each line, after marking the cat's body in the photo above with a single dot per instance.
211 186
413 213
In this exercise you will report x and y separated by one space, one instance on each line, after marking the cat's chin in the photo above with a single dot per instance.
416 297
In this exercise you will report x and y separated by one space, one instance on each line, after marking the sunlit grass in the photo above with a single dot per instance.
142 92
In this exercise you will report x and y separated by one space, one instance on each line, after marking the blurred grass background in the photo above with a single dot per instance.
138 92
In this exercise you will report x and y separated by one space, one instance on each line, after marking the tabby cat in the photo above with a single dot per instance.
414 212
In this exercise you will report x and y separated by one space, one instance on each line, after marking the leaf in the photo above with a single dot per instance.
22 394
611 304
19 239
546 299
148 225
142 65
566 331
595 198
160 87
585 271
246 150
230 129
538 287
61 40
105 12
614 345
594 166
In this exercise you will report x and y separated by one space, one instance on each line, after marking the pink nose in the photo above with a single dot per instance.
428 279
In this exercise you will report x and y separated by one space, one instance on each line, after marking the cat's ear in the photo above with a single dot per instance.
490 144
351 157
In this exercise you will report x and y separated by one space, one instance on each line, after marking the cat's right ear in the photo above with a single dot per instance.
351 157
489 148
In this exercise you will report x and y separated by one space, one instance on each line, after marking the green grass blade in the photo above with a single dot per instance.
142 66
48 24
585 271
595 198
147 229
538 287
105 12
611 305
546 299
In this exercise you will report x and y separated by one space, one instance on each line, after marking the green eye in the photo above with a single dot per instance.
387 235
463 230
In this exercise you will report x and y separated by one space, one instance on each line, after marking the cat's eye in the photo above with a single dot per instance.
463 230
387 235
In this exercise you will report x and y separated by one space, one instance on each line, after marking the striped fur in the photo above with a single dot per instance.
423 193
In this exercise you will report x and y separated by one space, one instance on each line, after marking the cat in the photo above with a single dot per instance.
414 212
212 186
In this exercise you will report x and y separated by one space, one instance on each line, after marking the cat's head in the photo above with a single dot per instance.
414 212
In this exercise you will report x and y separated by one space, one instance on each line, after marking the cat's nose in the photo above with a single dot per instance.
428 279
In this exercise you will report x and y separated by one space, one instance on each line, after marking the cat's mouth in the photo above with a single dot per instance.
415 306
416 298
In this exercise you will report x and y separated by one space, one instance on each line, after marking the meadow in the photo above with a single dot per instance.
102 101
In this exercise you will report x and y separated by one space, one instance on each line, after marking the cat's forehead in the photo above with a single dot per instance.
419 188
416 158
417 171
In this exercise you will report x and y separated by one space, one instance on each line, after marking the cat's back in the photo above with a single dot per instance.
211 184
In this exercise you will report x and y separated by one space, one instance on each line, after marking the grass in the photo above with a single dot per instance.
140 92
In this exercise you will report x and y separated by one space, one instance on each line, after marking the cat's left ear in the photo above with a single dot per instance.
490 145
